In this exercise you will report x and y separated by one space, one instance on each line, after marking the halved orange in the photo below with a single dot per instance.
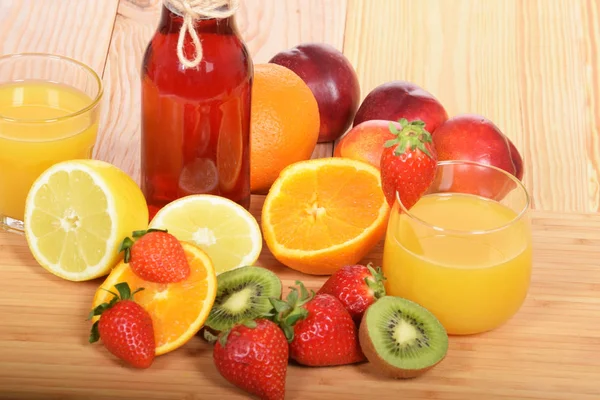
178 310
324 213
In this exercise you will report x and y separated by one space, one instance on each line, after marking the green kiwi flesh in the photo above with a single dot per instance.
401 339
242 293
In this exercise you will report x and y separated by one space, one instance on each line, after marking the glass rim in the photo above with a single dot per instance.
86 67
437 228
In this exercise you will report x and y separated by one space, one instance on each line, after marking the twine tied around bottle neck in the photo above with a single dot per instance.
192 10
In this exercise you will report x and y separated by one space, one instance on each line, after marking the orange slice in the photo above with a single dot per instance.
199 176
324 213
230 146
178 310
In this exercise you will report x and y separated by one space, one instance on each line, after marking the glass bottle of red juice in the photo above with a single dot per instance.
195 109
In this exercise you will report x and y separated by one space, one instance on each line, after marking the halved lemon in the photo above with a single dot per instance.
226 231
76 215
324 213
178 310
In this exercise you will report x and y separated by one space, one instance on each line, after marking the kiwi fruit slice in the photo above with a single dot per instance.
242 293
402 339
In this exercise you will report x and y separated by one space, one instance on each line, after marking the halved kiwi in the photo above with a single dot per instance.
242 293
401 338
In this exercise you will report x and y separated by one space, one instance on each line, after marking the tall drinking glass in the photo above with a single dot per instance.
464 250
49 112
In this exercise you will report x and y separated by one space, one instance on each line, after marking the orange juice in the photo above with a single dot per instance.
472 271
41 123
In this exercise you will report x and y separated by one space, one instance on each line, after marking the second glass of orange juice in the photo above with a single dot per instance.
464 250
49 112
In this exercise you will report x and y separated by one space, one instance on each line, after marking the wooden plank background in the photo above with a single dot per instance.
532 66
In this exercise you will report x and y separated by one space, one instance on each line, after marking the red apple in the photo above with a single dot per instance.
332 80
472 137
473 178
365 141
400 99
517 159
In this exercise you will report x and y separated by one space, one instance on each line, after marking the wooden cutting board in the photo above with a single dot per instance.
550 350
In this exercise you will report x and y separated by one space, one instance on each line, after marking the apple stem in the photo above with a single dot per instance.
411 135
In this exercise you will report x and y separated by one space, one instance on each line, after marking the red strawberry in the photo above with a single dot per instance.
408 163
254 356
357 287
156 256
320 330
125 328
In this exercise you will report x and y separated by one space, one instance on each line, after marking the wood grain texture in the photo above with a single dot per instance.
119 137
545 352
64 27
267 26
591 24
270 26
531 66
553 98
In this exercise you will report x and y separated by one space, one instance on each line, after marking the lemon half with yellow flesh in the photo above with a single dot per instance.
76 215
226 231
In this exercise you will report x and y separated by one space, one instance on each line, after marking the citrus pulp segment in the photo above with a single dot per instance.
325 213
226 231
178 310
76 215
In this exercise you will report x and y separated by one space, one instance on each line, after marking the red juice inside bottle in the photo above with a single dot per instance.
196 120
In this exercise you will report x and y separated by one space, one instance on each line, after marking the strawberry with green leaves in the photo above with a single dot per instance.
357 287
125 328
319 329
408 163
156 256
253 356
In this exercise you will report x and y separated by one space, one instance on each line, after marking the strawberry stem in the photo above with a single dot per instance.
249 323
222 338
411 135
375 282
210 337
140 233
126 248
291 310
124 293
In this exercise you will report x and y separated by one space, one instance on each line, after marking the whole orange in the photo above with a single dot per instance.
284 124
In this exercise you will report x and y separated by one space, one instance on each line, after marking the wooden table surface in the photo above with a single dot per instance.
548 351
531 66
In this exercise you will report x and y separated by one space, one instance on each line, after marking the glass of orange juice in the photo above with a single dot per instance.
49 112
464 250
